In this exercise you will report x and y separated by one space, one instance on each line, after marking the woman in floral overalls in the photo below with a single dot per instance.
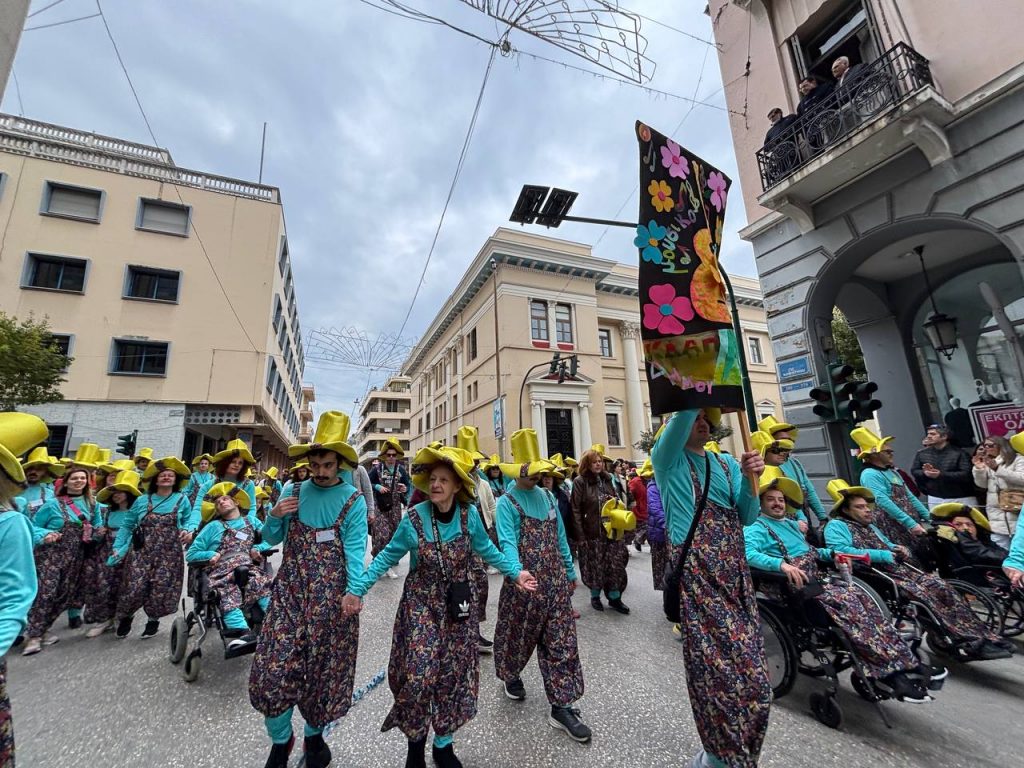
434 671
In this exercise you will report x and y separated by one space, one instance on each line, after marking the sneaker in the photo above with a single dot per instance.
568 719
316 752
32 646
445 758
619 606
906 689
483 645
124 628
279 755
240 642
152 627
74 622
99 629
416 757
515 689
50 639
392 574
596 604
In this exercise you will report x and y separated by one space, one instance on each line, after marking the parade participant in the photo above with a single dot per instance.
390 486
300 472
360 478
726 675
970 536
602 560
155 528
532 536
41 470
898 513
233 464
100 476
852 531
638 490
775 453
272 485
792 468
227 541
494 477
104 590
18 433
656 536
306 654
775 543
263 505
434 671
201 476
142 459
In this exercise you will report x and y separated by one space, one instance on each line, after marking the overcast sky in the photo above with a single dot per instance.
367 112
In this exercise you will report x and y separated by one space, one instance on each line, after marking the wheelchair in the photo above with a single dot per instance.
205 615
800 637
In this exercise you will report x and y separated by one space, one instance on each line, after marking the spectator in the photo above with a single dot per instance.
846 76
941 471
968 531
812 90
1001 473
779 124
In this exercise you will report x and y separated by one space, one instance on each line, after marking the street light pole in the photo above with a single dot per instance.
522 388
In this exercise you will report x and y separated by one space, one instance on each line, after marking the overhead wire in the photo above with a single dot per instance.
60 23
17 92
44 8
682 32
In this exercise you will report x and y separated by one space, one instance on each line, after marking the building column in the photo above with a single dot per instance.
630 333
585 439
538 422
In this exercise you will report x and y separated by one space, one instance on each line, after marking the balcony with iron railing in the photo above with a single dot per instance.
889 106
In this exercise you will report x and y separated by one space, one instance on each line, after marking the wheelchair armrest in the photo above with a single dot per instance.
269 552
758 574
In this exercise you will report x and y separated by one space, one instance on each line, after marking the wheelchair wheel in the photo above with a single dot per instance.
939 643
826 710
981 604
178 640
864 689
1013 614
193 665
780 653
873 595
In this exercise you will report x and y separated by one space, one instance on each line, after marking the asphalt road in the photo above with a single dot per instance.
106 702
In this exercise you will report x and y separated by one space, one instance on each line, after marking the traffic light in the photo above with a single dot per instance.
825 408
833 396
555 360
864 405
126 444
574 366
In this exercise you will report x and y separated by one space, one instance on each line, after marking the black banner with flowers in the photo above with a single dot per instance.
690 348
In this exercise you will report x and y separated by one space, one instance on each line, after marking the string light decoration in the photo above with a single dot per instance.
352 347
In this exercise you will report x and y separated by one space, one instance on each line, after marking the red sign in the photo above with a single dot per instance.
1001 420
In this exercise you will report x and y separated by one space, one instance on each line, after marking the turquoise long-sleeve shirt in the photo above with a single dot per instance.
196 517
764 552
114 518
671 460
839 537
540 504
880 483
197 480
1016 557
164 505
49 518
207 541
17 576
319 508
794 470
34 496
406 540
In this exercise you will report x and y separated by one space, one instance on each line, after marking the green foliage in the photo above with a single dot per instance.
31 365
847 347
646 441
719 433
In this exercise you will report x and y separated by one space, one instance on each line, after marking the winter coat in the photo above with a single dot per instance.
995 480
589 493
655 515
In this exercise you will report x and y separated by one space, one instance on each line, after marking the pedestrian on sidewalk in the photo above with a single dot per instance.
602 560
942 470
1000 471
107 581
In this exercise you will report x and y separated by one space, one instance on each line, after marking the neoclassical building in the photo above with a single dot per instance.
474 365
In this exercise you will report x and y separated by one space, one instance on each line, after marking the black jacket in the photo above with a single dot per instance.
956 480
779 127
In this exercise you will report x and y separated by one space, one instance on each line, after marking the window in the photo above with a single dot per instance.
391 406
72 202
604 341
754 351
765 408
471 350
278 313
55 273
63 342
469 393
612 422
151 284
455 406
56 443
160 216
419 426
140 358
563 324
282 262
476 390
539 320
428 421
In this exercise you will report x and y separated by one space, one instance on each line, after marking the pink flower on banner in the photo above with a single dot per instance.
666 310
716 183
672 158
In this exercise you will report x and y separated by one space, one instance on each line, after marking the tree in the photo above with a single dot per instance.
31 363
646 441
719 433
847 347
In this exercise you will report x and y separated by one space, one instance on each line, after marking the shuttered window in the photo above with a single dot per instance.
159 216
74 202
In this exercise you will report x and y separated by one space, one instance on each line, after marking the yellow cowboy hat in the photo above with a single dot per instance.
173 463
868 441
200 457
234 448
18 433
467 438
646 470
86 456
436 445
771 425
460 461
950 509
300 465
103 458
713 446
1017 442
127 480
763 442
144 453
616 519
390 443
493 461
113 467
599 448
271 473
571 463
526 458
772 477
840 490
262 495
40 457
227 488
332 431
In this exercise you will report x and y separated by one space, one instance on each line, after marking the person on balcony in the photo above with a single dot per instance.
779 123
846 76
812 90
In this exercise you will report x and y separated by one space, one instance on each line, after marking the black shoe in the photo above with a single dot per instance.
74 622
445 758
568 719
124 628
515 689
279 755
243 640
618 605
152 627
483 645
416 758
316 752
596 604
906 689
989 651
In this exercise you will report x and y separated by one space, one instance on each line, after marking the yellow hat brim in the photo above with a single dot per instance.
538 467
790 490
392 443
172 463
427 458
951 509
344 450
208 508
853 490
230 453
105 493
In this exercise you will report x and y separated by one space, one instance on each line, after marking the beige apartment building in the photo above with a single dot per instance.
384 414
896 195
484 359
171 289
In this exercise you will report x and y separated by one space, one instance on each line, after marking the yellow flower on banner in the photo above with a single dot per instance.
661 196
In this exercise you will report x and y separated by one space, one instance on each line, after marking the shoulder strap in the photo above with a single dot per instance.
776 538
346 507
519 509
677 572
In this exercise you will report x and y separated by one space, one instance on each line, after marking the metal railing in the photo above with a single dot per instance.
874 90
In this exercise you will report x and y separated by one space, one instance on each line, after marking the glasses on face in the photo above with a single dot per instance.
390 455
778 450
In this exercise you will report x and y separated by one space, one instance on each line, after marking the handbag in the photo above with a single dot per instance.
1011 499
458 598
670 595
